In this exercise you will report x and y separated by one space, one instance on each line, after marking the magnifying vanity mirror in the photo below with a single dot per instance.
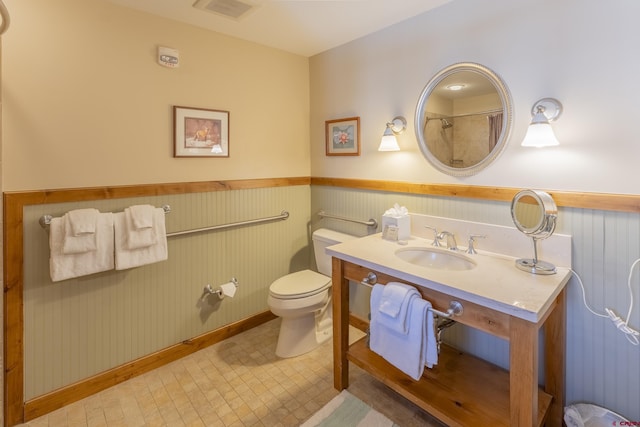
534 213
463 119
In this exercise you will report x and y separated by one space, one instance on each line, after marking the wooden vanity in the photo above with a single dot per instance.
463 390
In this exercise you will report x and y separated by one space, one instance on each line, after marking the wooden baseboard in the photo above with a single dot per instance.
56 399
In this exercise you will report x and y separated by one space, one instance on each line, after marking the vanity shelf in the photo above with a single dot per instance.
463 390
450 391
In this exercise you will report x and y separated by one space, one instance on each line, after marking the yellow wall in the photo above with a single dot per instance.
86 104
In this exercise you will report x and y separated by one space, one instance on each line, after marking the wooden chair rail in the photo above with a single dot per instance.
598 201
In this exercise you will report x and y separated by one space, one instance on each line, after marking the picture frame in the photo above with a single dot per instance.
343 137
200 132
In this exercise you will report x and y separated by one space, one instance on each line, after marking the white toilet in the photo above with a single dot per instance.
303 300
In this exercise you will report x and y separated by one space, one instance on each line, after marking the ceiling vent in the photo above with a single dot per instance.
228 8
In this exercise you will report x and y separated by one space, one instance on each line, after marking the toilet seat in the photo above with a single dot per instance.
300 284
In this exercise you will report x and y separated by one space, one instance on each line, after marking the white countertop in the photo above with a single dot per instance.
495 282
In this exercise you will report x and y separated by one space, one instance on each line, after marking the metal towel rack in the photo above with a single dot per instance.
455 307
283 215
45 222
371 223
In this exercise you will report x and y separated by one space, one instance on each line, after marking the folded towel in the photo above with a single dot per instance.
82 221
139 220
393 296
141 215
64 266
394 304
129 258
406 352
77 243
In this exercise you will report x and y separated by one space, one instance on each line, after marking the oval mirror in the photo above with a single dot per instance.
463 119
534 213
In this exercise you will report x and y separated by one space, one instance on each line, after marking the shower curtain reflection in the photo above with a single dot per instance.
495 127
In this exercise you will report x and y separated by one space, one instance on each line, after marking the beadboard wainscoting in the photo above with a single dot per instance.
602 367
85 330
78 329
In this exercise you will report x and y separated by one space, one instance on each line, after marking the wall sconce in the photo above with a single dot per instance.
394 127
540 133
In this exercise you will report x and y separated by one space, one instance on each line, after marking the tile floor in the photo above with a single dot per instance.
237 382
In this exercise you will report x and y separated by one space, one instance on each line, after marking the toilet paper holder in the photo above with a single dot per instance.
208 290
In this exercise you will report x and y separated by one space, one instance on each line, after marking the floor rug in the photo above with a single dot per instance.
346 410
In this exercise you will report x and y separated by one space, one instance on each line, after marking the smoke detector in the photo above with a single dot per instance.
234 9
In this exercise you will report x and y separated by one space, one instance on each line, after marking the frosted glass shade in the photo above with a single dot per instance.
389 143
540 133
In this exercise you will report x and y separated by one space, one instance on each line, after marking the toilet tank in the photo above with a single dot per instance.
322 238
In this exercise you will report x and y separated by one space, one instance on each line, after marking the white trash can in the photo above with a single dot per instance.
588 415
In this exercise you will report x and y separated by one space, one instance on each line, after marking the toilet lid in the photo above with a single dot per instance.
299 284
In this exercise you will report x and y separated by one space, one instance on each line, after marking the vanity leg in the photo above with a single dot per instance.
340 296
554 359
523 375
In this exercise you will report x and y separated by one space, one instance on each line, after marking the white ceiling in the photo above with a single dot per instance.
304 27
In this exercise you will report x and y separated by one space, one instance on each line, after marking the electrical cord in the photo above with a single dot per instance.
631 334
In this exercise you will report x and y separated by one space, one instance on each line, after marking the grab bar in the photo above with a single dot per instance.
371 223
455 307
283 215
5 18
45 220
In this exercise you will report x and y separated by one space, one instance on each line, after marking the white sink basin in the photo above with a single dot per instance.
442 259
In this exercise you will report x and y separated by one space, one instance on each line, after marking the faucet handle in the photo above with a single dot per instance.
436 236
470 248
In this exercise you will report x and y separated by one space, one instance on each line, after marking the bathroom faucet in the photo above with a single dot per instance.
451 240
436 236
472 238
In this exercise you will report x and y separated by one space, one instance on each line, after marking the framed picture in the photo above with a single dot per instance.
343 137
199 132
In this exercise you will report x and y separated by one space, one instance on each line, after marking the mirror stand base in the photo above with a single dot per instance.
535 266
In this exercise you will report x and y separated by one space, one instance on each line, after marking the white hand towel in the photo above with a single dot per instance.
394 305
83 221
406 352
140 231
129 258
77 243
66 266
141 215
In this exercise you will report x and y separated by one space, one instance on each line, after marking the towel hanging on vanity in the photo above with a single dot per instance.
408 352
394 306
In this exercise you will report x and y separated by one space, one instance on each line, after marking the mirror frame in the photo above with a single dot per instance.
549 212
507 106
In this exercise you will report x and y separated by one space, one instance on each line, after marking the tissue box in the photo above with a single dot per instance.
403 223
